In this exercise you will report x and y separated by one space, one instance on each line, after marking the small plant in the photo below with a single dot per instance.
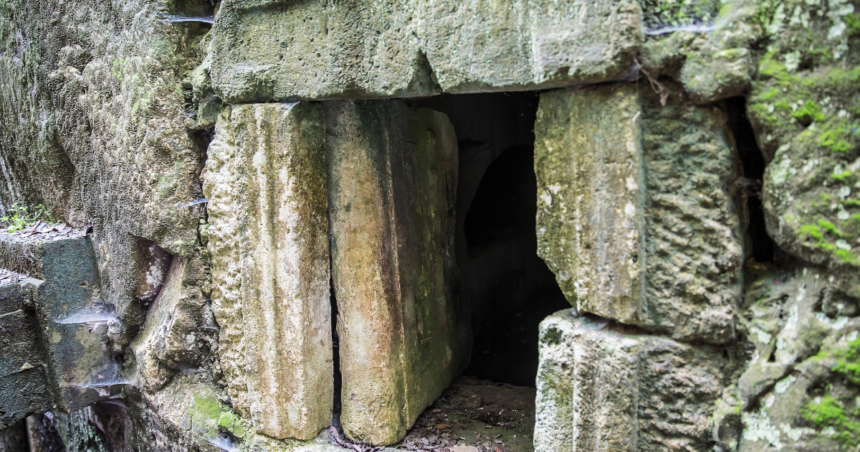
19 217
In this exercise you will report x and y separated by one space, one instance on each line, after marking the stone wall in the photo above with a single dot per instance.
211 231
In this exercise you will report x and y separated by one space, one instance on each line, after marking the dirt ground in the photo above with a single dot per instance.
476 416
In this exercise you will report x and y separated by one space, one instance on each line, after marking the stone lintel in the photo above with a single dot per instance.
275 50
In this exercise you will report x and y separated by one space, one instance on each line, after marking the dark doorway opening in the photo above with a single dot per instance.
759 244
510 288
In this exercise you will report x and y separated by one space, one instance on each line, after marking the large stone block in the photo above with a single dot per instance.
23 386
362 49
635 215
603 389
268 239
478 46
317 50
402 323
72 356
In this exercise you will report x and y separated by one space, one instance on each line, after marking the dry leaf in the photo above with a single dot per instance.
440 426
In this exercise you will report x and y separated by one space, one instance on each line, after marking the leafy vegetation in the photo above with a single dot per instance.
830 413
19 217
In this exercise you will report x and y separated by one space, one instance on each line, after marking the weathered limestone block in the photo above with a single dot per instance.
601 389
23 385
268 239
402 324
634 213
476 46
278 50
316 50
69 284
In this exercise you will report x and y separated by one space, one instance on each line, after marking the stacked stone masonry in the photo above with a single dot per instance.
230 174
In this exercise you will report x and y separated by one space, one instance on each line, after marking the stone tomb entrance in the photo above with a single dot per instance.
509 288
433 251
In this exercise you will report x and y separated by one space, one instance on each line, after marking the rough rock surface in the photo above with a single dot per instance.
71 354
601 388
268 239
634 213
277 50
24 385
804 109
403 327
179 331
798 391
94 127
710 52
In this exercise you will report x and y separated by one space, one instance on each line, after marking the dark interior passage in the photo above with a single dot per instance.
759 245
510 288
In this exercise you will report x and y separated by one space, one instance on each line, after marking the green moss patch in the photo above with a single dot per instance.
830 413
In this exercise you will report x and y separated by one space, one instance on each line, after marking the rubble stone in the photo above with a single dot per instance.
24 388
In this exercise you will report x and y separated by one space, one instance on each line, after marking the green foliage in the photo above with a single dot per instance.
19 217
847 362
836 134
843 176
817 233
853 21
830 227
812 231
233 423
830 413
809 112
771 94
844 255
769 67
